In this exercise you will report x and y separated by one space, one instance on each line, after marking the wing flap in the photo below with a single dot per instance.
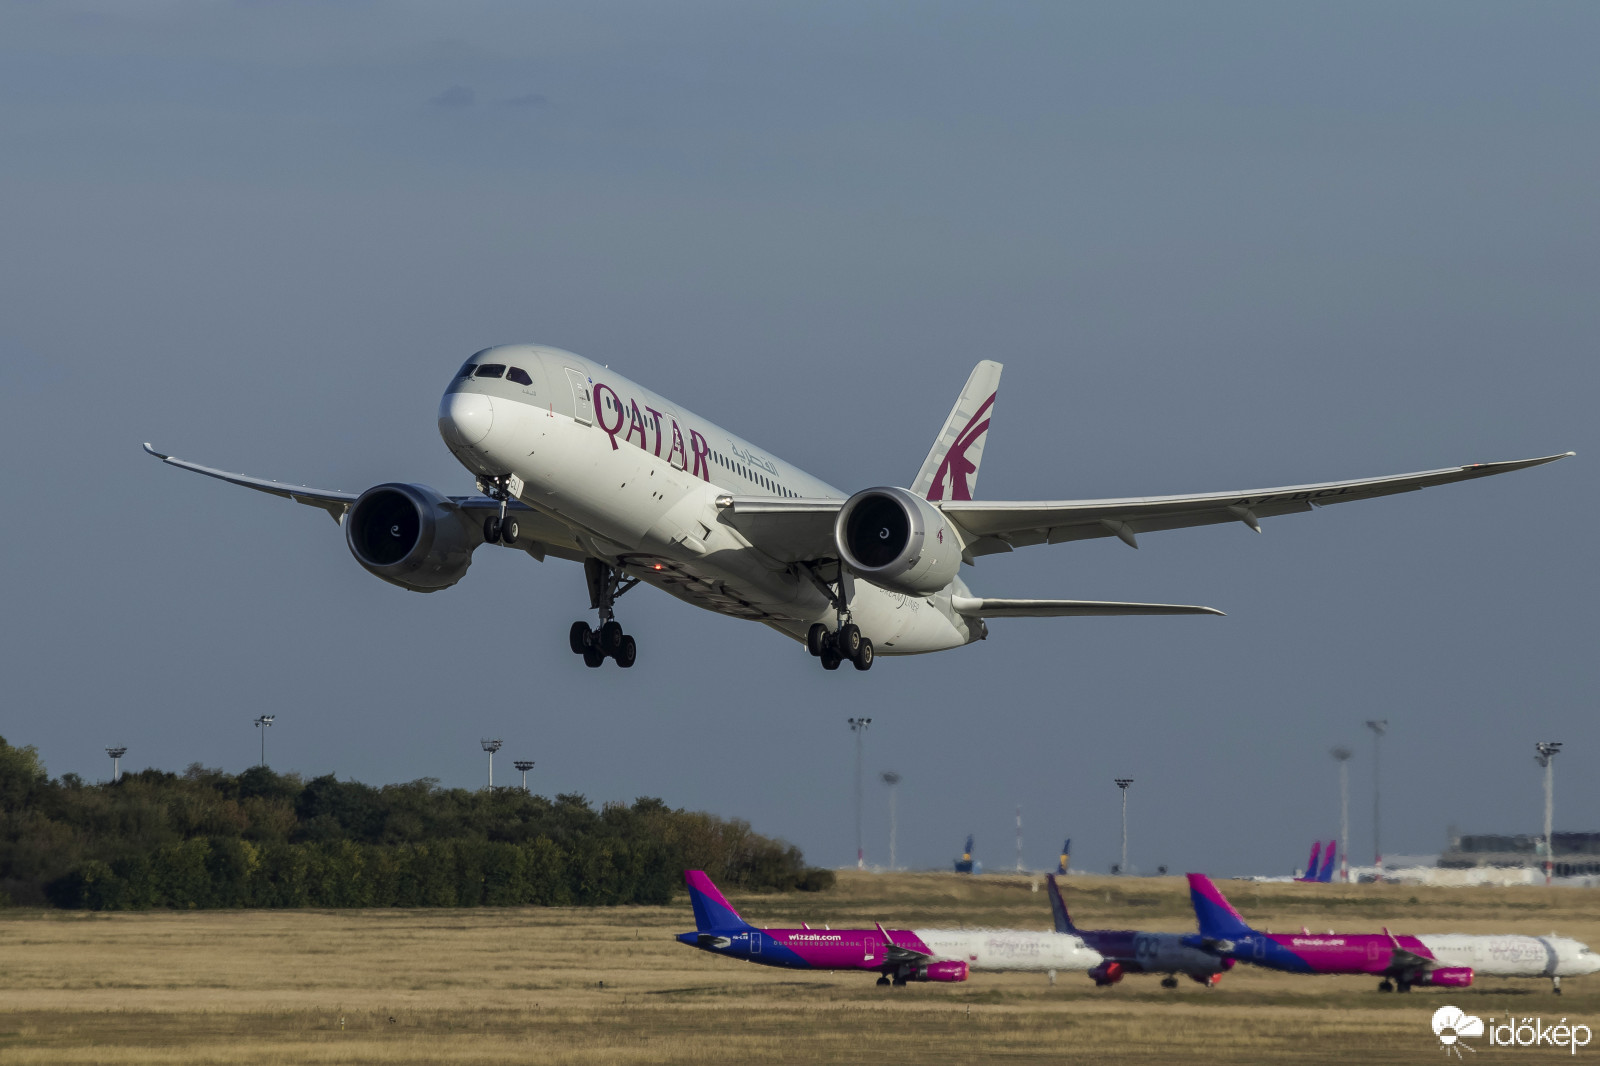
789 530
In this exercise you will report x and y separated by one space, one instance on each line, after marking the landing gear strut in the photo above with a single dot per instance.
845 641
606 583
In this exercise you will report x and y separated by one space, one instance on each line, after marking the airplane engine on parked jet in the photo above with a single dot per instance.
410 536
943 971
1449 976
897 540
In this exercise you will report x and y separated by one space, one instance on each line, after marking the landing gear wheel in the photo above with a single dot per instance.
883 982
830 659
1385 986
1402 987
508 532
610 637
816 639
848 638
899 982
491 530
628 652
1169 982
593 657
581 637
863 656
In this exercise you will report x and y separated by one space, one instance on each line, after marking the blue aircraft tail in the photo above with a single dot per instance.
1218 920
711 911
1325 875
1058 907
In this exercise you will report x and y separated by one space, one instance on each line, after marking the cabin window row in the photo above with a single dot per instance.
750 475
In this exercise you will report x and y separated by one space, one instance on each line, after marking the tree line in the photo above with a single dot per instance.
206 838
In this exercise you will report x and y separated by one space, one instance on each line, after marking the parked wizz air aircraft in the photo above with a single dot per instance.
1450 959
1126 951
896 955
576 461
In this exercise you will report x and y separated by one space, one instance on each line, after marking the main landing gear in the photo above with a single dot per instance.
606 583
846 642
1386 985
1169 981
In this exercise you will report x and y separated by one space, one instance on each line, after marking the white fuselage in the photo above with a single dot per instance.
1010 949
1513 956
631 478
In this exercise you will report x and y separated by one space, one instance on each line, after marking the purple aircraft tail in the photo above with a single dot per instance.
1311 863
1215 915
711 911
1325 875
1058 907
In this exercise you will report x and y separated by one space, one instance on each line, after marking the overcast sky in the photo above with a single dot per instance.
1216 246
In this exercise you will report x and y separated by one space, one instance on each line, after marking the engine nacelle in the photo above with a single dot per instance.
943 971
1107 973
1449 976
410 536
896 539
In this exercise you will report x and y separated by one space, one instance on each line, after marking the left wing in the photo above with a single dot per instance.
801 530
1000 527
893 952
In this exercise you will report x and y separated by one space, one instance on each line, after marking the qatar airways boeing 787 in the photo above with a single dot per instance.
573 460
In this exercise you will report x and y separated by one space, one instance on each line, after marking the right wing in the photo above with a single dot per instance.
988 607
1000 527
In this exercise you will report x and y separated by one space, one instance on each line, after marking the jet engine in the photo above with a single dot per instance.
1449 976
410 536
943 971
896 539
1107 973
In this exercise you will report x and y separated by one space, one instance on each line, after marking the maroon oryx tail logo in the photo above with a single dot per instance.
955 466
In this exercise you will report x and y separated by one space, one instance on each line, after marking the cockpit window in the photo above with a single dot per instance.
519 375
491 370
466 371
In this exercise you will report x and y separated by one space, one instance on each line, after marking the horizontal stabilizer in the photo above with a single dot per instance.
976 607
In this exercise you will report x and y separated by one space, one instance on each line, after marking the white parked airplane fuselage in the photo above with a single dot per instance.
634 477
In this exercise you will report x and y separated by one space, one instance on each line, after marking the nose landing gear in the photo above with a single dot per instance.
606 583
499 529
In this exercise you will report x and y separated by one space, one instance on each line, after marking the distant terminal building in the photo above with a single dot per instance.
1572 854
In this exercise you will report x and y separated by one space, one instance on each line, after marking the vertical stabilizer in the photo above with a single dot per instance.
950 472
1325 875
711 911
1218 920
1311 863
1058 907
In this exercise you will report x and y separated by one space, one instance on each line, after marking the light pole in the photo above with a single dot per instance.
491 746
1378 726
1123 783
891 779
1547 758
1341 755
263 723
524 765
116 754
858 726
1019 838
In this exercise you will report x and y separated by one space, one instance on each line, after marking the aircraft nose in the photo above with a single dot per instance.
465 417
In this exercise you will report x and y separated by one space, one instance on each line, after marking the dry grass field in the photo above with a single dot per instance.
611 986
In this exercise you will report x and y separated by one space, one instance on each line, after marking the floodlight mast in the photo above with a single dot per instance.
891 779
1546 758
116 754
491 746
1379 726
1341 755
1123 783
858 726
524 765
263 722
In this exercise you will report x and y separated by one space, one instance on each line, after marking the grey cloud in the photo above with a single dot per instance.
455 96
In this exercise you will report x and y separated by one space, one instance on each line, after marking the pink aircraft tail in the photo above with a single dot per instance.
1325 875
